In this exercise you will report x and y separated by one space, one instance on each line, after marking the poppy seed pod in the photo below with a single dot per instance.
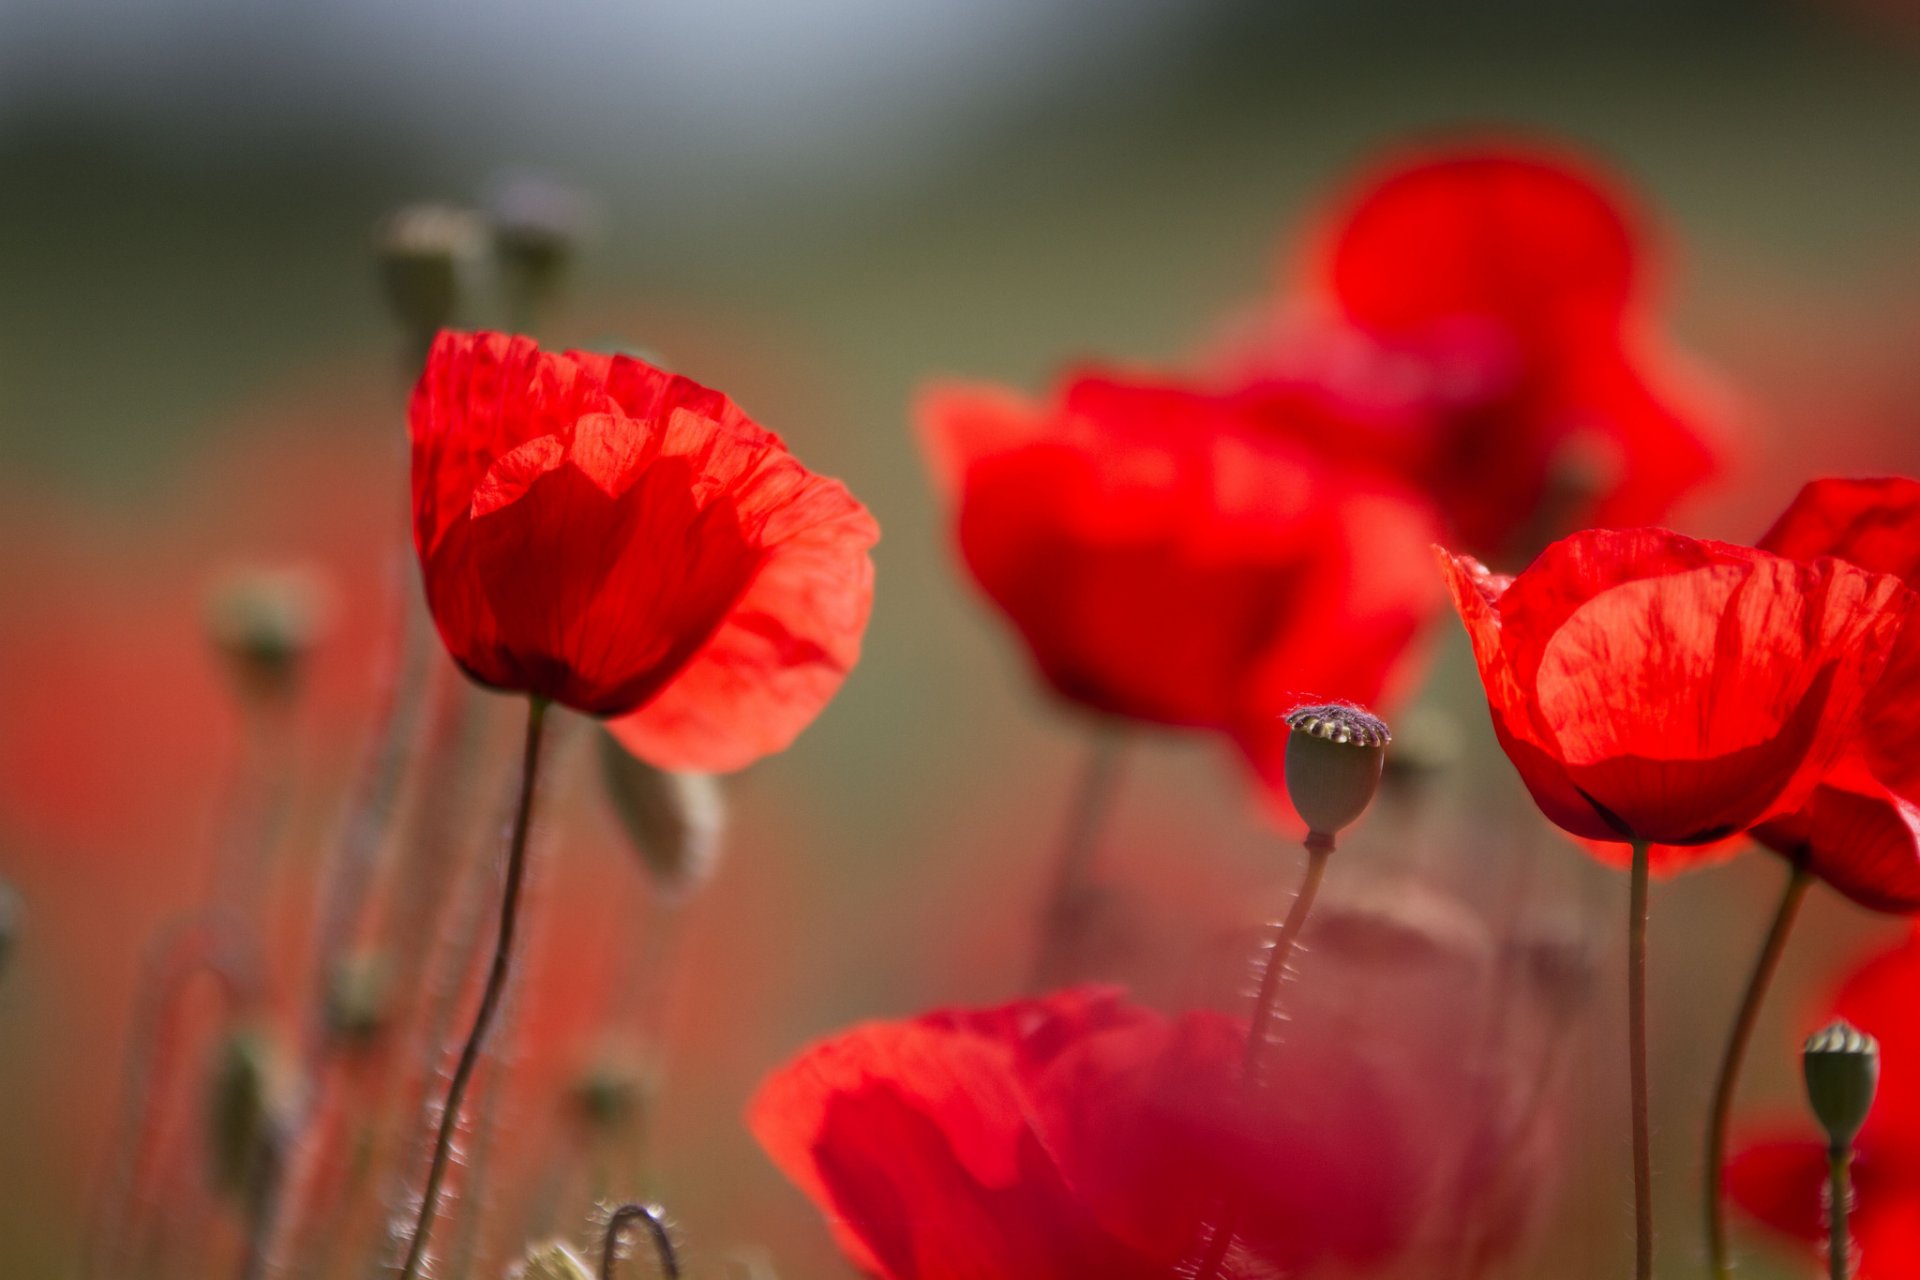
674 820
423 250
1335 754
538 226
1842 1068
265 622
244 1099
359 999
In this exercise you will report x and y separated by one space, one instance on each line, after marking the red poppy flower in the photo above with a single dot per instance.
1166 562
1482 335
629 543
1080 1135
1779 1178
1649 686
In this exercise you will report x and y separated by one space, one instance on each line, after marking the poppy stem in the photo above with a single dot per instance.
1764 967
1637 1063
1839 1209
1259 1028
1063 928
625 1216
489 998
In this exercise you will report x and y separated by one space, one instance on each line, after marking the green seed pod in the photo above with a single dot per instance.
359 999
11 913
1335 755
609 1095
551 1261
538 227
1842 1068
265 622
674 820
244 1099
424 250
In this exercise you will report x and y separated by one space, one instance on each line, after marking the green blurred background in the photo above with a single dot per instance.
817 206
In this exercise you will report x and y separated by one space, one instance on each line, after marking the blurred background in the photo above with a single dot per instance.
816 206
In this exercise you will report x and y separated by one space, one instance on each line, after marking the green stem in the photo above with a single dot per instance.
1840 1196
1764 967
1637 1064
489 997
1063 928
1260 1027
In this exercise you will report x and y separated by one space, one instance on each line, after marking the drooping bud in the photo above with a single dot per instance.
538 225
551 1261
424 251
246 1095
265 622
1842 1068
675 820
358 999
1335 755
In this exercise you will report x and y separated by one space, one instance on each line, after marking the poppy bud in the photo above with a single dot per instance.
551 1261
245 1095
1335 754
537 226
265 622
674 820
1842 1068
357 999
10 914
423 250
609 1094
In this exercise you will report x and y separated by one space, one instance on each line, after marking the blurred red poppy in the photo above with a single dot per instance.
1479 329
1650 686
1778 1179
1166 561
1080 1135
629 543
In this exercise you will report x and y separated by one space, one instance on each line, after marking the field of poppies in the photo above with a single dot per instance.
993 756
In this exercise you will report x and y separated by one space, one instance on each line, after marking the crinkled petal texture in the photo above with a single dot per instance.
1778 1178
1513 280
1655 687
1074 1136
1165 561
628 543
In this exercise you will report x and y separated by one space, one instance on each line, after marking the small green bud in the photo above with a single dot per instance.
674 820
266 622
1335 755
358 999
245 1095
551 1261
424 250
1842 1068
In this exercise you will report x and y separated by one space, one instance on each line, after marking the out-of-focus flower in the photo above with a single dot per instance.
1477 325
1778 1179
1650 686
423 250
628 543
1860 831
1166 561
1079 1134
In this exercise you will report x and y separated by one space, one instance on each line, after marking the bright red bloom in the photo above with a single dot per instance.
1079 1135
1655 687
629 543
1483 335
1779 1179
1166 561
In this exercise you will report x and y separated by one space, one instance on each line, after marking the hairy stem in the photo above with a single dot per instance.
1839 1208
1637 1063
625 1216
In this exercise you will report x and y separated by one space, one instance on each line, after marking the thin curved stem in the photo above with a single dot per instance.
1063 927
1839 1208
489 998
625 1216
1727 1084
1259 1028
1637 1063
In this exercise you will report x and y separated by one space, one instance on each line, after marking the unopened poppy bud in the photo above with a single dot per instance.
608 1095
1842 1068
424 250
266 622
674 820
1334 758
538 225
244 1099
551 1261
357 999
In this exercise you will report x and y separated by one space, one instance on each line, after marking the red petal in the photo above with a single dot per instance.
1781 1184
1857 836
